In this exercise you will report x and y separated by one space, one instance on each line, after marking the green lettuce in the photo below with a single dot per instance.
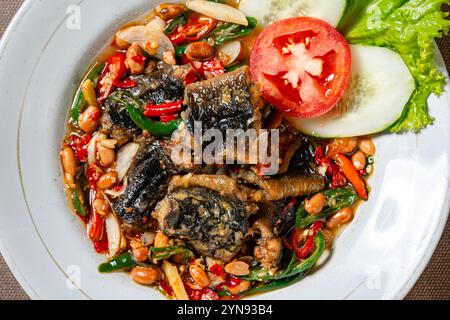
408 27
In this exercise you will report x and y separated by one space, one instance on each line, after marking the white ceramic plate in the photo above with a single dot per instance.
380 256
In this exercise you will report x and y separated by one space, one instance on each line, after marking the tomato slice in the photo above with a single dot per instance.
302 65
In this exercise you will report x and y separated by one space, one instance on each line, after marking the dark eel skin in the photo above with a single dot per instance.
212 224
163 85
148 181
225 102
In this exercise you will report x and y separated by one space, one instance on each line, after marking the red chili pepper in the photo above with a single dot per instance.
114 71
195 29
217 270
96 222
95 228
93 174
204 294
168 118
214 67
163 109
102 245
233 282
337 177
191 77
296 236
177 38
118 188
139 58
125 83
352 175
166 287
79 146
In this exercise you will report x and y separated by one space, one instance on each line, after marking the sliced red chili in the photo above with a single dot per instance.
125 83
204 294
195 29
214 67
168 118
333 171
217 270
166 287
233 282
79 146
96 222
305 250
190 77
102 245
139 58
114 71
163 109
93 174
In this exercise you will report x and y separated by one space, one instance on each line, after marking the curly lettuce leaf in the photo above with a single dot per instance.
408 27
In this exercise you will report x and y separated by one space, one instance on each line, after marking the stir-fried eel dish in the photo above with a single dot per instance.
215 149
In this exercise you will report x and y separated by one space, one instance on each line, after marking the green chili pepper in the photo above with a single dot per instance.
337 199
121 262
166 253
175 23
179 51
134 109
295 267
78 203
234 67
277 284
230 31
79 100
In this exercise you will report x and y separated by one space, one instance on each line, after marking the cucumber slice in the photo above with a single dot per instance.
269 11
380 86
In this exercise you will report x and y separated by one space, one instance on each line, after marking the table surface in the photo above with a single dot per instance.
433 284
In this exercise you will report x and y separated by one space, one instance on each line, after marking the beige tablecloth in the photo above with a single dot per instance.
434 283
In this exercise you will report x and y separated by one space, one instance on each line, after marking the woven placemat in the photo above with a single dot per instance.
433 284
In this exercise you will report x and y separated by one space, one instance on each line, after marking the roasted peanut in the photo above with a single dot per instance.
89 120
144 276
199 275
341 217
101 207
316 204
107 180
106 156
161 240
141 254
200 51
237 268
169 58
170 11
342 145
242 287
367 146
135 59
359 160
69 161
